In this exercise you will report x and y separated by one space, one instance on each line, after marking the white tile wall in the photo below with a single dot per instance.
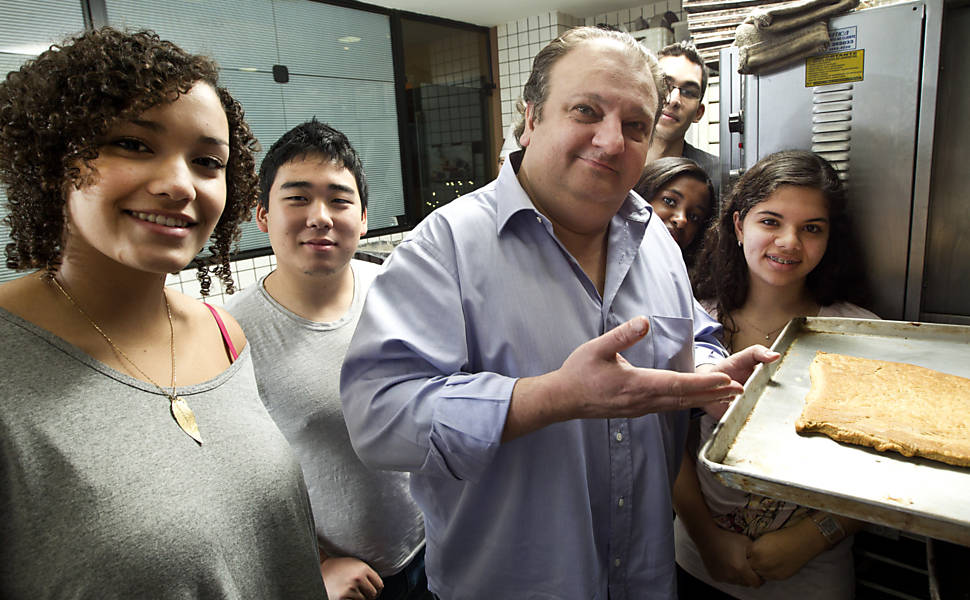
519 41
245 272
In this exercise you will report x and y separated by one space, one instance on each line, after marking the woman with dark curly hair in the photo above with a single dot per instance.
682 195
779 249
136 459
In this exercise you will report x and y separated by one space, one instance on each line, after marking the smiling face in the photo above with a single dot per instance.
683 204
315 218
784 237
586 152
680 110
157 188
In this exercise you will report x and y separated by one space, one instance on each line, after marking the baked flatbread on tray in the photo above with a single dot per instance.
889 406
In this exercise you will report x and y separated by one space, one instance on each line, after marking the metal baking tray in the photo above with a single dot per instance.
755 447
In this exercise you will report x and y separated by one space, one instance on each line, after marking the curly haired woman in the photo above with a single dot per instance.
136 459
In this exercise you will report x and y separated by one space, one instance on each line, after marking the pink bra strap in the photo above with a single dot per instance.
225 334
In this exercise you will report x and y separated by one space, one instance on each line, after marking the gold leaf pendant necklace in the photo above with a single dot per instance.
180 408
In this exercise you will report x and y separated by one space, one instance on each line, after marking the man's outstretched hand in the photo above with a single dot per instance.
596 382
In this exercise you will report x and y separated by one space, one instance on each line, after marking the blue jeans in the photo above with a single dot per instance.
410 583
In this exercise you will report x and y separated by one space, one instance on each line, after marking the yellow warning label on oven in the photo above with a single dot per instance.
839 67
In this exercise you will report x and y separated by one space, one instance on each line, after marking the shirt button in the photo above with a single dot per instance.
619 502
619 436
616 562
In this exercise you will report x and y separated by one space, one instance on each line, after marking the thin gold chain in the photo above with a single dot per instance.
767 334
171 327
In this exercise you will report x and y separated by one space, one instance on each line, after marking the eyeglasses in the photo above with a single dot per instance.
689 91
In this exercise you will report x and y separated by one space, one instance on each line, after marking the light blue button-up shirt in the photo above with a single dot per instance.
483 293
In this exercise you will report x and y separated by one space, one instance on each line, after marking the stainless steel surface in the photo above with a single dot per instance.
755 446
923 169
731 118
947 263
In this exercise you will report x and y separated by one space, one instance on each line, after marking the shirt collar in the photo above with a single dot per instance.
510 198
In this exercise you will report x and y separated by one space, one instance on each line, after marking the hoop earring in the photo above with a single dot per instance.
739 243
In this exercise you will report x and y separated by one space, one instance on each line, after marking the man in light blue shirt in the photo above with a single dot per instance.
487 358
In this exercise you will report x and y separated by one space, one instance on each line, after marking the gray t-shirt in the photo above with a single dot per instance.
103 496
358 512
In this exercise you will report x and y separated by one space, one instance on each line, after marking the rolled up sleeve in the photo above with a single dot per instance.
707 338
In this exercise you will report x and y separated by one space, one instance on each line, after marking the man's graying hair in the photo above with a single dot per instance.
536 88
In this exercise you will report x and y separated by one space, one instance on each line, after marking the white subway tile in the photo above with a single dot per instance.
263 272
245 279
216 299
192 288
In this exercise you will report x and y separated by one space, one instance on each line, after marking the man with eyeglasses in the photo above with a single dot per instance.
687 80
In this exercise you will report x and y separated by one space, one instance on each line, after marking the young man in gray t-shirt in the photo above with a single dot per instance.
299 320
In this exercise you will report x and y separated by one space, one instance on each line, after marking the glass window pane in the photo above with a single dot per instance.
447 91
239 34
262 99
365 112
343 42
26 30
